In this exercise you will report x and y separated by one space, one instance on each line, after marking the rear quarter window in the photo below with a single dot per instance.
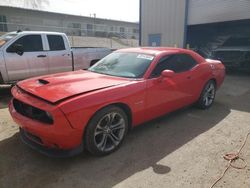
56 42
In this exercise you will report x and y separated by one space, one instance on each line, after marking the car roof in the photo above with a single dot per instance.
155 50
36 32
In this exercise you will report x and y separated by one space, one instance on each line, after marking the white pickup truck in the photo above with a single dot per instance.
25 54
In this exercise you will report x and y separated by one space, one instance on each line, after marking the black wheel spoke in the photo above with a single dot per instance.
114 139
111 117
99 130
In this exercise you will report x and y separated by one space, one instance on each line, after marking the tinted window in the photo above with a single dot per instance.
177 63
56 42
89 26
122 29
30 43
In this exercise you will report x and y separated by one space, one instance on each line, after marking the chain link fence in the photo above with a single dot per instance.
89 30
97 36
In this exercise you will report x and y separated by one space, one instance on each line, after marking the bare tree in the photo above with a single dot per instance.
36 4
32 4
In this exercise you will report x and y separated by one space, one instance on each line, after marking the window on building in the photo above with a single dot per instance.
3 25
89 27
177 63
122 29
111 28
135 30
56 42
76 25
30 43
115 28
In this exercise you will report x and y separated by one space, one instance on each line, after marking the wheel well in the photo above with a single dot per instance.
128 112
214 80
94 61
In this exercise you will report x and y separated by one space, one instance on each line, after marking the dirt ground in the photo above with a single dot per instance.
183 149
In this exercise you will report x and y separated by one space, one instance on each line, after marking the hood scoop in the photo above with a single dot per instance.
44 82
61 86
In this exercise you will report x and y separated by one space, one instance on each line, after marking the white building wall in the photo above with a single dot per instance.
210 11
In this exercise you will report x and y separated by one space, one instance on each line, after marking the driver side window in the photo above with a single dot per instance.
177 63
30 43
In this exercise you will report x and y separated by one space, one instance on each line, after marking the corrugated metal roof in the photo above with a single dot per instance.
211 11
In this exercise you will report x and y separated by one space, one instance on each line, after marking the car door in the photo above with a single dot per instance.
33 61
59 57
168 94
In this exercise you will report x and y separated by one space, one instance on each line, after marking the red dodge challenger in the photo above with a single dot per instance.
62 114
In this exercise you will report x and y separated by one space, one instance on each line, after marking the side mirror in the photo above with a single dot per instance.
167 73
17 48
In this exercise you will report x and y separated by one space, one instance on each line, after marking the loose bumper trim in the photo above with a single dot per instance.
51 152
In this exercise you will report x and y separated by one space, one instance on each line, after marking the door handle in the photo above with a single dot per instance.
65 54
189 77
41 56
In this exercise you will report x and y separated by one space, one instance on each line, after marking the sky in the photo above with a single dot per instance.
125 10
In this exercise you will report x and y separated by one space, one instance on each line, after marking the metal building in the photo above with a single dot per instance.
193 22
162 22
15 18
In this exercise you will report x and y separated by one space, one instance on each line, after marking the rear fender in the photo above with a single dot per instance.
218 71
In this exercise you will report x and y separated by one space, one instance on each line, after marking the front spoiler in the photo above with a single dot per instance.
50 152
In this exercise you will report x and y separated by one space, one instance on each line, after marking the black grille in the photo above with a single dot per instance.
32 112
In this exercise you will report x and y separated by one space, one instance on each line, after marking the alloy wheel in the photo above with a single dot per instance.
209 94
109 131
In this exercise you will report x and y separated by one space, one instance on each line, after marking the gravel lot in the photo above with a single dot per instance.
183 149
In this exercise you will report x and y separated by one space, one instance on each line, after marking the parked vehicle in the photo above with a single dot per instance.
234 53
27 54
63 113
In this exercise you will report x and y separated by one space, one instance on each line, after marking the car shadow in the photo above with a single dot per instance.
5 96
143 148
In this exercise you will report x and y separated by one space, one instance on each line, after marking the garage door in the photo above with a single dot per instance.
210 11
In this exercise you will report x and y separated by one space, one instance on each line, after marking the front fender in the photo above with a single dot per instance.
79 110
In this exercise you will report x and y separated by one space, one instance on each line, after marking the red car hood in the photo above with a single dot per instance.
54 88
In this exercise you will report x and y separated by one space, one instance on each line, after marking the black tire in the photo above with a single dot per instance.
207 95
106 131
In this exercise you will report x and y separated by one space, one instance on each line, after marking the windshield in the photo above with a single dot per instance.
129 65
5 38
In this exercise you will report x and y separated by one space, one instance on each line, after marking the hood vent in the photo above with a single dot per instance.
44 82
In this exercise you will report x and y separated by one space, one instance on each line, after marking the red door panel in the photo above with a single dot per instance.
168 94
